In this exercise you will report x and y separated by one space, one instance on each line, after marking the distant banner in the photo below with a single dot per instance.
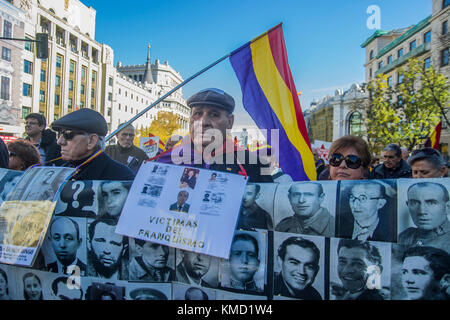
149 145
182 207
26 213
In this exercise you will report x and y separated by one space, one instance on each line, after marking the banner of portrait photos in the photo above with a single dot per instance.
325 240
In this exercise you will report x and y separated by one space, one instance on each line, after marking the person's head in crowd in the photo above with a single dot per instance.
182 197
306 199
147 294
428 203
299 262
244 258
22 155
172 141
392 156
250 195
4 290
195 293
35 124
63 292
425 273
354 259
405 154
427 163
196 264
153 254
80 133
32 287
126 136
112 196
210 109
349 158
105 246
365 200
315 154
64 234
374 162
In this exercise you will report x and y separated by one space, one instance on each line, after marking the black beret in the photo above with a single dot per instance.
212 97
156 294
85 119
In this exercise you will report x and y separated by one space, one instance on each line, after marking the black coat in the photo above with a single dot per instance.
403 170
4 155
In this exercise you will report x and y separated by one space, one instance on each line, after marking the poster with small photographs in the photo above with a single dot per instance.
188 292
227 295
306 208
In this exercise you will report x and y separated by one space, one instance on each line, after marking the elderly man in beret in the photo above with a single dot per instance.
81 136
207 146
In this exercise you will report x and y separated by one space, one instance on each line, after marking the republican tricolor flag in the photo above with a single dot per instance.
434 139
270 97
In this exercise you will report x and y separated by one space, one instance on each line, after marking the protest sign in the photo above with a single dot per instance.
149 145
187 208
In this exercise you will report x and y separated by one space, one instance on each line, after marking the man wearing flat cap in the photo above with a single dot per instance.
81 136
207 146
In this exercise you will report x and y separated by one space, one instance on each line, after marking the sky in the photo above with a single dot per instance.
323 38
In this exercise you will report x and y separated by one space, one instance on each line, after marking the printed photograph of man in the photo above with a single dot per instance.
357 270
149 293
428 207
251 214
67 244
61 291
150 263
367 211
189 178
111 198
187 292
197 269
310 215
105 291
107 251
299 261
181 205
247 257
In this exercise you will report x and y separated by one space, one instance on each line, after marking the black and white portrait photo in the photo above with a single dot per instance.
64 248
246 268
8 281
227 295
64 288
8 180
424 213
359 270
188 292
107 251
149 291
306 208
111 198
257 207
181 204
367 210
151 262
77 199
105 291
299 270
420 273
189 178
33 284
197 269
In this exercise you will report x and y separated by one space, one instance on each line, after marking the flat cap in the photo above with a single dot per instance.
147 294
85 119
212 97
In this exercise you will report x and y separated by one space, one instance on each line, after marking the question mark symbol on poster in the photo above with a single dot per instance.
78 186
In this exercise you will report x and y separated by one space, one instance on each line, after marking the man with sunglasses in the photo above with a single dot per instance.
81 137
393 166
43 139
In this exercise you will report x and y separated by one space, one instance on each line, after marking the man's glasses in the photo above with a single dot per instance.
12 154
352 161
70 134
362 198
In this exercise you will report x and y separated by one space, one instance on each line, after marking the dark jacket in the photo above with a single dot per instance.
280 288
402 170
101 168
131 157
51 149
4 155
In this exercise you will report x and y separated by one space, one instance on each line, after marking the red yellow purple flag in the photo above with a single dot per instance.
434 139
270 97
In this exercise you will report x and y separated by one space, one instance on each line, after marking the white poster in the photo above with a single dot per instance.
149 145
183 207
323 148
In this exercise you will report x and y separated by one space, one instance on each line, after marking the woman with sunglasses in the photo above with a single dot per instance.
427 163
22 155
349 159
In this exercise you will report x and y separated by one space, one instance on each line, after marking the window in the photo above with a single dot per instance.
389 59
82 89
119 106
6 54
389 82
445 27
25 112
4 94
400 100
94 76
26 90
70 103
81 104
445 3
58 81
72 67
355 124
42 75
412 45
427 63
70 85
58 61
7 29
427 37
28 67
83 73
380 65
400 52
444 57
110 81
109 112
400 78
42 96
109 96
92 93
56 99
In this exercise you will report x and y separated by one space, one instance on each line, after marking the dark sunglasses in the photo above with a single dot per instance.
70 134
12 154
351 161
